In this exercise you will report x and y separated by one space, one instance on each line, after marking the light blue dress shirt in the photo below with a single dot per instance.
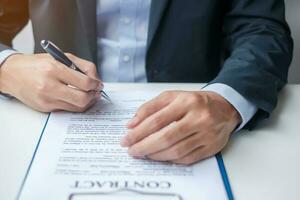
122 39
122 44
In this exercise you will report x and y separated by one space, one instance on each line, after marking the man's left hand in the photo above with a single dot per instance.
181 127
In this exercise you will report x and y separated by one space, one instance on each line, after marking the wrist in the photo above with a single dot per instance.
6 72
227 107
245 108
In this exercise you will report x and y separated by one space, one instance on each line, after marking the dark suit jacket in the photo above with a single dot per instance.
245 44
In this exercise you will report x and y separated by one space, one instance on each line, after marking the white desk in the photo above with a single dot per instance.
262 164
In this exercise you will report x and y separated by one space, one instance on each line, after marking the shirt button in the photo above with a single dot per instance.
126 58
127 20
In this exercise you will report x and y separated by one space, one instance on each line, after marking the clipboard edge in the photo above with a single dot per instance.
224 175
32 159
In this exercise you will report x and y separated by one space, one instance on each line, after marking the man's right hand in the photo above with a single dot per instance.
44 84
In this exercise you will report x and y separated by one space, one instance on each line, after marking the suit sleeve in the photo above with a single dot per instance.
13 17
258 52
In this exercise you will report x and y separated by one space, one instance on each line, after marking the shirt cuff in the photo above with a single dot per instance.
244 107
3 56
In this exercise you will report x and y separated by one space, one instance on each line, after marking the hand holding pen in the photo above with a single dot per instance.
57 54
43 83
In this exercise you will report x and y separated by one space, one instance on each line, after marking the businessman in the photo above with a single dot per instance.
241 48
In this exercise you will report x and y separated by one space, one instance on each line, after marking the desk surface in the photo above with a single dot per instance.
261 164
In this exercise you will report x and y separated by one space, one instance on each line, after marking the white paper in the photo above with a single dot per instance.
80 154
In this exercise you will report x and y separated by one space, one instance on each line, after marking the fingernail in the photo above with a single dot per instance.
124 142
132 122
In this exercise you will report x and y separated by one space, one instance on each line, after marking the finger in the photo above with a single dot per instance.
87 67
77 79
151 107
163 138
180 149
153 123
64 106
76 97
195 156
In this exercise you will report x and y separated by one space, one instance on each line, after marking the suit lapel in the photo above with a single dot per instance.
87 12
156 13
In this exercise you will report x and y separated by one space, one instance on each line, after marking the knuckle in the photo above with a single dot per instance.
197 121
49 68
142 111
190 144
208 113
166 139
167 94
182 128
156 122
204 115
87 84
91 66
208 118
177 152
192 99
93 70
41 88
83 100
44 86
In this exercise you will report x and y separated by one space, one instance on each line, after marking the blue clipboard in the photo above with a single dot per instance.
224 176
218 157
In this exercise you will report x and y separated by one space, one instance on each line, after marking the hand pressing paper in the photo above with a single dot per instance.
79 157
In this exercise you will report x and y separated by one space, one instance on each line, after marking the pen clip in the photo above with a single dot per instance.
45 44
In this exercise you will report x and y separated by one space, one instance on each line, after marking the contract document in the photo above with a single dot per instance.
79 157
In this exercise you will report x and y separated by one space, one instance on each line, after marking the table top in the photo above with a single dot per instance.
261 164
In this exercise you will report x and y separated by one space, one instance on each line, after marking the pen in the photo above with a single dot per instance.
56 53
